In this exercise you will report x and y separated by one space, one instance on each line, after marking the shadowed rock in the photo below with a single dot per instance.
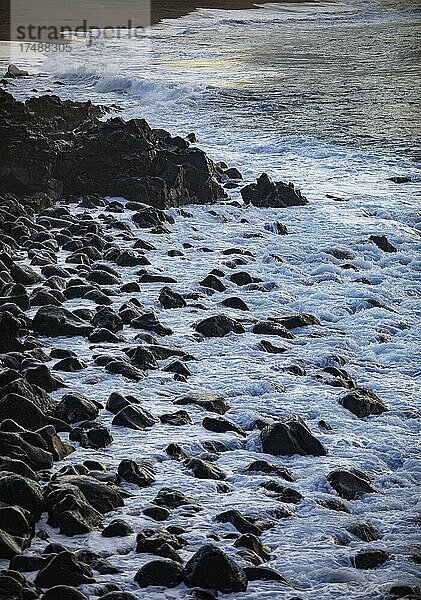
211 568
266 193
350 484
291 436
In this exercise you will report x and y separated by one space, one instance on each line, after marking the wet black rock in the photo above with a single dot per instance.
383 243
163 573
172 498
235 302
208 401
333 504
266 193
9 340
281 493
134 417
212 282
53 321
203 469
221 425
63 592
160 542
179 418
103 497
157 513
272 328
350 484
150 322
141 474
269 347
70 365
243 524
218 326
370 559
265 574
170 299
117 402
262 466
74 407
99 336
64 569
298 320
291 436
364 531
211 568
253 543
363 402
16 490
107 318
117 528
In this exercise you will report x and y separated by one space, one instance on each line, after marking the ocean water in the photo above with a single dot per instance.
325 95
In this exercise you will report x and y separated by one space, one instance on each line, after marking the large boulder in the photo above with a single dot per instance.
211 568
16 490
53 321
64 569
266 193
74 407
290 436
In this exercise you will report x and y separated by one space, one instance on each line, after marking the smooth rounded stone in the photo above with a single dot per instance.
27 563
74 407
12 545
145 277
210 402
64 569
107 318
41 376
150 322
176 452
265 574
370 559
271 328
170 299
235 302
204 470
254 543
98 437
54 548
157 513
325 425
233 173
364 531
266 193
132 286
218 326
24 493
117 528
63 592
163 573
243 524
350 484
363 402
70 365
134 417
117 402
221 425
53 321
130 258
24 275
262 466
290 436
242 278
179 418
141 474
211 568
383 243
214 283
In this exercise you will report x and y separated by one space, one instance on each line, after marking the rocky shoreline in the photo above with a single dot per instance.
63 241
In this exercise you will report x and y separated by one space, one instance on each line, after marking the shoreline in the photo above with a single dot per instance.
152 343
